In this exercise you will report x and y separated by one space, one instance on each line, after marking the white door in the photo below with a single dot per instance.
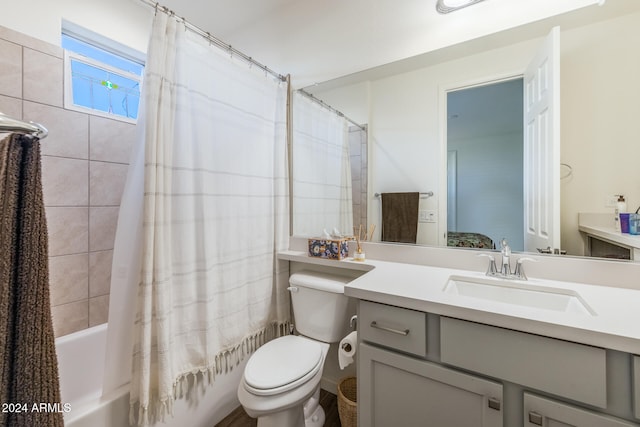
542 147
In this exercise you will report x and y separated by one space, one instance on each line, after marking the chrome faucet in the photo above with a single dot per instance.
492 270
518 274
505 271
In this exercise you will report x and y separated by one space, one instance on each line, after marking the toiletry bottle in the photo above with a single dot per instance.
621 207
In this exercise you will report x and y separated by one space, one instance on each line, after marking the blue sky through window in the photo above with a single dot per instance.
103 88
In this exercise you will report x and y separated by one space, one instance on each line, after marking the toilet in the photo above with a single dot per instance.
280 385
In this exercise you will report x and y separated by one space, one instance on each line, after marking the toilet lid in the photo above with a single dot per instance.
282 364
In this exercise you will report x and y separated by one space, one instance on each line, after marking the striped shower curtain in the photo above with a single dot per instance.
211 169
321 176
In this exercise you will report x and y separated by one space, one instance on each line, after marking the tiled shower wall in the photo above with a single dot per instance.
84 162
358 160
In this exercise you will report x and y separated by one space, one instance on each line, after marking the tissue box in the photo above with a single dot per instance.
329 248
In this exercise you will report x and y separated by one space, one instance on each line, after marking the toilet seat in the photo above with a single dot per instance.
282 364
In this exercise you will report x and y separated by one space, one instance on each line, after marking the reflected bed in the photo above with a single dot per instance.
469 240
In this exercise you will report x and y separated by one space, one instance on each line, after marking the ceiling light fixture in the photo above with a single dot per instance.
446 6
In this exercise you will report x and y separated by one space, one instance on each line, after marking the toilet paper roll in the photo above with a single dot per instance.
347 349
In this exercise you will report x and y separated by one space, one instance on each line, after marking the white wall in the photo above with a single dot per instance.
486 169
599 109
600 113
125 21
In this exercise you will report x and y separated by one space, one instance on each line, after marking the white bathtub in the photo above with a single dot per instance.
81 358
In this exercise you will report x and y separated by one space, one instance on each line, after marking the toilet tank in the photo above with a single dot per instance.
320 308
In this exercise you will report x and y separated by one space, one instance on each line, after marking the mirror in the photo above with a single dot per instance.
600 142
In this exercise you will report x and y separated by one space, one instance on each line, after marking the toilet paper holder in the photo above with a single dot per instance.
354 321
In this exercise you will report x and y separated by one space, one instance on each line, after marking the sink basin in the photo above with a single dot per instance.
519 293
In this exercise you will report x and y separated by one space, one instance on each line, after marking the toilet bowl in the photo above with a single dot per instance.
280 379
280 385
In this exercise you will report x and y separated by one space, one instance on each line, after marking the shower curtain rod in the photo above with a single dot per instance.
213 40
329 107
8 124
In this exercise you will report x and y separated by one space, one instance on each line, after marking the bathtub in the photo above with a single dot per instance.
81 360
81 357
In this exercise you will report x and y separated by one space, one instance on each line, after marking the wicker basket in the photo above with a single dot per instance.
347 402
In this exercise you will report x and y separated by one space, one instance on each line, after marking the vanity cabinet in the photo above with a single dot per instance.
398 387
636 386
567 369
398 390
417 369
539 411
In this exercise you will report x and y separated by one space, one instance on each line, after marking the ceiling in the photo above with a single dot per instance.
320 40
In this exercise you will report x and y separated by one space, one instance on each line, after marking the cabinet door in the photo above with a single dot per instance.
539 411
397 390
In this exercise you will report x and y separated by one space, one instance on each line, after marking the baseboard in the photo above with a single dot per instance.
329 384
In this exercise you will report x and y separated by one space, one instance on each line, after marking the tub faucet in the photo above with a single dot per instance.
505 271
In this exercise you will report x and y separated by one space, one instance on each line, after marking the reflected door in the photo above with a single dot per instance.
542 147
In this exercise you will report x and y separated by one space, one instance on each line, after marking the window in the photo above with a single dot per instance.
101 77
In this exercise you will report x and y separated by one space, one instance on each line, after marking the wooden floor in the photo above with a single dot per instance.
328 401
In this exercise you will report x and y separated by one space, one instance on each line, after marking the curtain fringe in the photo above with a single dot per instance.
223 363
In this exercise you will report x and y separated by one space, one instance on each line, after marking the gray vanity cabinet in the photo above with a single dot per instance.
399 387
397 390
539 411
418 369
636 386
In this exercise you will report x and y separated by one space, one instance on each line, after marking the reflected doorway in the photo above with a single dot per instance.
485 130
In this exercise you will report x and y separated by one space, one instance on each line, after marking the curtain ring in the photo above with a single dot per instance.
156 8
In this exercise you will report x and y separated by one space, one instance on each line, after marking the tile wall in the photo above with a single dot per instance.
358 160
84 166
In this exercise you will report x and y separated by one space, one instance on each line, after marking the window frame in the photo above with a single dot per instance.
68 85
113 47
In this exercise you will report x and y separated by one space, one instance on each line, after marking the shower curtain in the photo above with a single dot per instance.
205 211
322 198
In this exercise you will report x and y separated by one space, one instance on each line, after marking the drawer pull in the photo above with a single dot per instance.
404 333
494 403
535 418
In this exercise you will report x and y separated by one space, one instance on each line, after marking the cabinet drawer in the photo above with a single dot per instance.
572 370
399 328
539 411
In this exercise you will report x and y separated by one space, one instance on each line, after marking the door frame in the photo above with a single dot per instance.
443 90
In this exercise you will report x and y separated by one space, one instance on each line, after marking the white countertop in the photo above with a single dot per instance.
609 233
615 325
601 225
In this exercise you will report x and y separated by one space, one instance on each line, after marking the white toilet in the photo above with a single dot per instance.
281 381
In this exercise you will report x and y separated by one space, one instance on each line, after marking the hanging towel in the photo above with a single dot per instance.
400 217
28 366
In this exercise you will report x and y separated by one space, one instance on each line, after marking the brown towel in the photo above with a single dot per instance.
28 365
400 217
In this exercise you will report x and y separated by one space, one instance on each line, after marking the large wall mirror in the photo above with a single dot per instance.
405 105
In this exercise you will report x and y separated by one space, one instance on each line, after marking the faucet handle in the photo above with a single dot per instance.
519 271
492 270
